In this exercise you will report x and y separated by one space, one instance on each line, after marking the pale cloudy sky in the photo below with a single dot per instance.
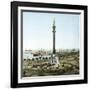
37 30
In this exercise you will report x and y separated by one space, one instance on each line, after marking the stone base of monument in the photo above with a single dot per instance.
54 60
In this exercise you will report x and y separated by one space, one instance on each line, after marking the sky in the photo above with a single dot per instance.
37 30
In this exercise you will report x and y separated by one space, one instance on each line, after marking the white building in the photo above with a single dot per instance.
52 59
27 54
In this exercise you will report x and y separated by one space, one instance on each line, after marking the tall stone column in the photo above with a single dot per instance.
54 27
55 59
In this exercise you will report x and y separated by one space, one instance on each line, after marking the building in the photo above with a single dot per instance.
42 55
27 54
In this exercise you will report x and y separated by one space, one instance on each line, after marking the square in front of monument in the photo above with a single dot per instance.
49 44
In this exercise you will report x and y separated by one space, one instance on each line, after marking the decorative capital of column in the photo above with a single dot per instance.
54 31
54 25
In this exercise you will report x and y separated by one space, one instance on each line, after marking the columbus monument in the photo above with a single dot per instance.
55 59
54 27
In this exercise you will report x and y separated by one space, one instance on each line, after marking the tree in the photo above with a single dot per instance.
33 59
40 58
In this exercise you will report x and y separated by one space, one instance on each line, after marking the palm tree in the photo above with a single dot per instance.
33 59
46 58
36 58
43 58
40 58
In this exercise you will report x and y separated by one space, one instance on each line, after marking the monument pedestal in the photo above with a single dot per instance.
54 60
